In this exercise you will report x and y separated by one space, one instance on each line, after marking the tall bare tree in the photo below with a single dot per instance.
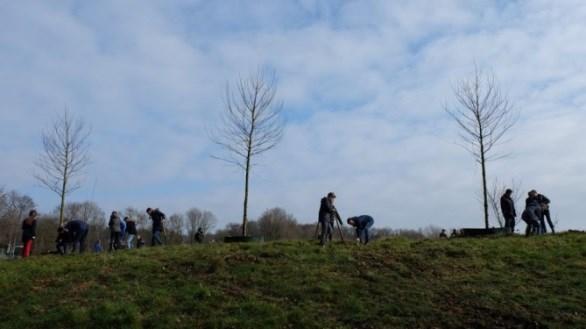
484 116
64 156
251 125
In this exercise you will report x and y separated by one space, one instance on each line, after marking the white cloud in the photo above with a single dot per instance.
364 84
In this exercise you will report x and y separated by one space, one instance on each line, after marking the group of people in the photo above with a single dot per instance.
120 230
329 217
74 233
535 214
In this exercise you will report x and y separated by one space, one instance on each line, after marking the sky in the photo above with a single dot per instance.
364 85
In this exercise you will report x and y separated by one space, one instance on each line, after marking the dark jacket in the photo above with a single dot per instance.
76 226
363 221
199 236
114 223
63 237
157 216
29 230
543 200
131 227
327 211
532 202
508 207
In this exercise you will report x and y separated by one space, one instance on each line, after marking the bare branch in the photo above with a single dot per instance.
64 156
251 124
484 116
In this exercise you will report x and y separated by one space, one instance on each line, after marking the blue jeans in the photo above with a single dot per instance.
130 241
363 233
156 240
79 240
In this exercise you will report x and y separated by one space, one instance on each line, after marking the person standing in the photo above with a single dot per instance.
363 224
199 236
508 210
77 231
327 215
157 217
443 234
544 202
130 232
531 214
29 233
115 229
122 232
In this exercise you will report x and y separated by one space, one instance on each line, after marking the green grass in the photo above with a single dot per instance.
508 282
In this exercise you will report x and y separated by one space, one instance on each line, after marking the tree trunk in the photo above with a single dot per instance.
485 196
63 188
484 187
245 211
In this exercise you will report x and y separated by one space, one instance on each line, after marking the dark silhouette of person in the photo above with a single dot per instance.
29 233
508 210
531 214
115 231
443 234
199 236
158 217
544 202
327 215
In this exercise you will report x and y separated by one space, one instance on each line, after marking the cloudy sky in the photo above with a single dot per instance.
363 83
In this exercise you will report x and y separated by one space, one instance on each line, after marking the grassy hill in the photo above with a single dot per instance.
509 282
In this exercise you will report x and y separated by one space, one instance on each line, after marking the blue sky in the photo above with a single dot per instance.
363 83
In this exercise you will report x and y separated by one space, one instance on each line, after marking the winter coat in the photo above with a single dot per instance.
363 221
157 216
327 211
76 226
131 227
508 207
532 202
114 224
29 229
543 201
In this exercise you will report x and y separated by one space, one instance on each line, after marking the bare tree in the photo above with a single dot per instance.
484 116
14 207
252 124
64 156
175 229
277 224
196 219
86 211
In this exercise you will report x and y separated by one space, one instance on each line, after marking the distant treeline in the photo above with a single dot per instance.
180 228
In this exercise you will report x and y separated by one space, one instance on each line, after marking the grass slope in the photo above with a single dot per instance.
509 282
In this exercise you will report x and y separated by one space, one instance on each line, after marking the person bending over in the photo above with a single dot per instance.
78 231
362 224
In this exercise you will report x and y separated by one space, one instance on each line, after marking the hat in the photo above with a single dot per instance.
331 195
